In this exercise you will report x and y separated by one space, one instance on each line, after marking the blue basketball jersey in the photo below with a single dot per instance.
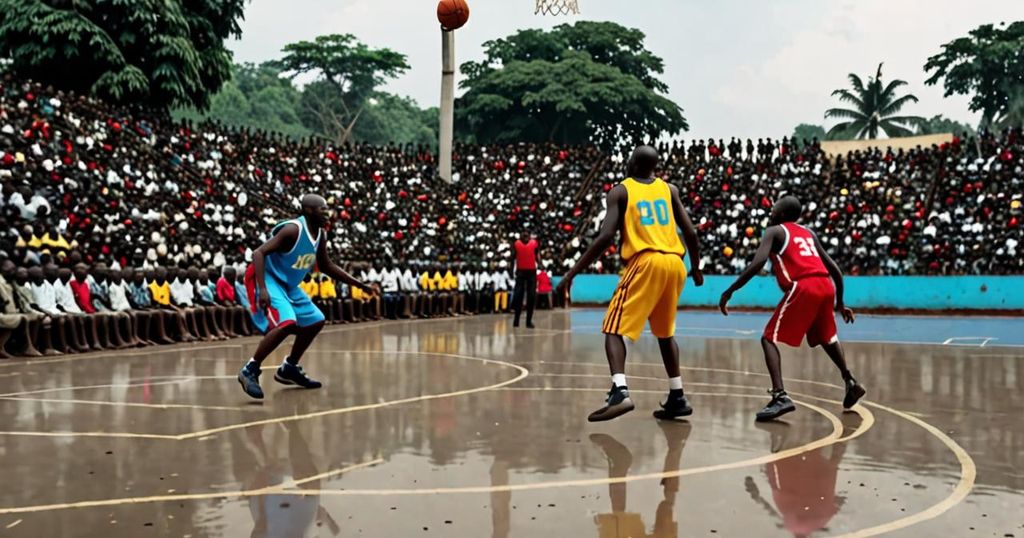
291 267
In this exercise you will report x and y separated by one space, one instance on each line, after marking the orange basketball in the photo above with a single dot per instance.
452 14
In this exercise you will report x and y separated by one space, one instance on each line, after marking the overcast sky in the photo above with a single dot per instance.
746 68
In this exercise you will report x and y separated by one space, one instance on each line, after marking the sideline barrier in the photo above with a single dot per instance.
882 292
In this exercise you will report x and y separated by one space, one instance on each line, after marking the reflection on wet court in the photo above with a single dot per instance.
466 428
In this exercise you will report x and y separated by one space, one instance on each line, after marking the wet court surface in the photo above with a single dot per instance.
465 428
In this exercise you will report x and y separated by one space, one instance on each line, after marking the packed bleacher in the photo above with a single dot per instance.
129 193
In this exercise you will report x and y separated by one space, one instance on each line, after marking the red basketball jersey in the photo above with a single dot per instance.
798 257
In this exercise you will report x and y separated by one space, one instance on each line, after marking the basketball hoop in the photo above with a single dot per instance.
557 7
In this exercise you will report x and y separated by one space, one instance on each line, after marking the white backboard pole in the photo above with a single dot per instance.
446 130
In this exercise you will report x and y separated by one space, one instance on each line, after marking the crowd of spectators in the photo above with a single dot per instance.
86 182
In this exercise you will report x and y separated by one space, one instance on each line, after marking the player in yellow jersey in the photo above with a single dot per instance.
649 213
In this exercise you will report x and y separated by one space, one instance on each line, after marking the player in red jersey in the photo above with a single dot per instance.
806 275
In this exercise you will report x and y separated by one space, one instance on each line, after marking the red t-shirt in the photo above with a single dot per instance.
526 259
83 296
225 290
544 282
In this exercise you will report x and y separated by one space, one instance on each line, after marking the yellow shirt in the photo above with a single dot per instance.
311 288
161 294
328 290
358 294
649 223
451 283
436 282
426 284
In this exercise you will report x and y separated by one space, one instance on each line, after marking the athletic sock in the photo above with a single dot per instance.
675 383
619 380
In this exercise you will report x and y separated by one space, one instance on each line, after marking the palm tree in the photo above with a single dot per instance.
873 109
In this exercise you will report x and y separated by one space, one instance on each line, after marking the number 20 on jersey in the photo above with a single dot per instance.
649 214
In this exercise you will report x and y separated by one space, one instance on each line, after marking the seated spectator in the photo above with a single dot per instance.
23 327
26 305
120 323
160 290
206 298
92 330
227 297
68 331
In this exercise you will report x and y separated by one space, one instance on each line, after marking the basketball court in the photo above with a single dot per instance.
465 428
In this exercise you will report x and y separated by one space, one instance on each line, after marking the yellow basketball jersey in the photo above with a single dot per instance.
649 223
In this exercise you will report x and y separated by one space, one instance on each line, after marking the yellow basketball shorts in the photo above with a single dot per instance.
648 291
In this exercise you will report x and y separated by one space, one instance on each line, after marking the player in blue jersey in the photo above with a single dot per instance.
278 306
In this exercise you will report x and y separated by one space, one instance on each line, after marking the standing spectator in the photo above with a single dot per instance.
525 262
501 282
389 278
544 288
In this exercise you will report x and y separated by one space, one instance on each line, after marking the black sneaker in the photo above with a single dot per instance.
780 405
292 374
249 378
854 392
617 403
674 407
530 325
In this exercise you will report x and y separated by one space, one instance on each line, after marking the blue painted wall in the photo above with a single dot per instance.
905 292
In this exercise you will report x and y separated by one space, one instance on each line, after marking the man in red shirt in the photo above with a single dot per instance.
525 260
106 326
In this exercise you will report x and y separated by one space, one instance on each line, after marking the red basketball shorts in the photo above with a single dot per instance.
807 309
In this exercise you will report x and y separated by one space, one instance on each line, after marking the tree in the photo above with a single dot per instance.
806 131
940 125
256 97
874 108
989 66
348 73
388 118
579 83
157 53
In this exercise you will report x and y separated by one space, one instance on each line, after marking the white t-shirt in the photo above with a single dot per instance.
119 296
389 280
500 280
183 293
484 280
65 297
45 297
409 282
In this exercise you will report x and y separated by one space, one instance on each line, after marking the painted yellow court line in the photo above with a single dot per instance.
272 490
296 483
523 372
963 487
131 404
160 380
694 369
91 434
832 438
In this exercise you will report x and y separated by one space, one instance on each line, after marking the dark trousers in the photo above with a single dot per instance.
392 305
526 281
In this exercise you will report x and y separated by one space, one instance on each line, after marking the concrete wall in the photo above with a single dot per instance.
899 292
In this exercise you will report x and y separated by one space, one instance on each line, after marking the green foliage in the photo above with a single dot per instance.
348 74
256 97
874 109
389 118
806 131
160 53
579 83
940 125
988 65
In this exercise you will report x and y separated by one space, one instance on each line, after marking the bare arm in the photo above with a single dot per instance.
282 241
689 235
771 242
612 223
837 278
332 270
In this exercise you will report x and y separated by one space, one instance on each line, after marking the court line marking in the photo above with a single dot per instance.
131 404
523 373
837 430
159 380
952 341
696 369
963 487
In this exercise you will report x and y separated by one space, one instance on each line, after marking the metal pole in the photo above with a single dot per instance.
444 145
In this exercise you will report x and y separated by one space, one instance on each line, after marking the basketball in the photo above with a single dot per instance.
452 14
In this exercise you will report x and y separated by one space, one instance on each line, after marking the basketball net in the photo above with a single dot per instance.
557 7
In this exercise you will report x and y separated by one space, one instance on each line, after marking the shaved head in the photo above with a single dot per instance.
786 209
642 162
313 201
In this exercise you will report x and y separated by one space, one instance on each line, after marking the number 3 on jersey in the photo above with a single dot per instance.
806 246
304 262
648 216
